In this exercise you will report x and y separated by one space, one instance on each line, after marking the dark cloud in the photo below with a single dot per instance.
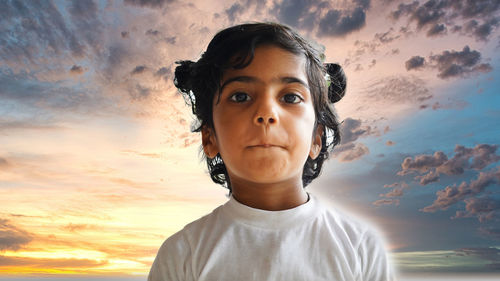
152 32
415 62
148 3
386 37
3 163
171 40
452 63
436 30
329 20
235 10
434 15
165 73
85 17
11 237
480 31
76 69
138 69
335 23
404 9
453 194
34 30
484 8
350 131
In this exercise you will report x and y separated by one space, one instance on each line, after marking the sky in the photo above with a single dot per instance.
98 165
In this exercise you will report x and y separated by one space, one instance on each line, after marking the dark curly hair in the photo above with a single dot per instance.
234 47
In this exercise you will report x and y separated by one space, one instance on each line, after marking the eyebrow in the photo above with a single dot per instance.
251 79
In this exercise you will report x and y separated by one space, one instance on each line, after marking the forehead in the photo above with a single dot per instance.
271 62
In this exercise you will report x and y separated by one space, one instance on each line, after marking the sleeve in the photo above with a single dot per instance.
375 262
172 262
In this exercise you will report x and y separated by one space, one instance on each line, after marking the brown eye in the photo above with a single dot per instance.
239 97
291 98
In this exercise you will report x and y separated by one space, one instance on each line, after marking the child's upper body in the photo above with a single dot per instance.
237 242
267 124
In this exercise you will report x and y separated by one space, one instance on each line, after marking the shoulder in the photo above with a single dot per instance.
345 224
364 240
173 259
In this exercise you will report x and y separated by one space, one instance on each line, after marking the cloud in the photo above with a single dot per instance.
336 24
3 163
45 263
40 97
422 163
480 31
397 90
350 131
76 69
234 11
493 232
34 31
11 237
415 62
152 32
490 254
430 177
148 3
436 30
386 202
433 16
453 63
453 194
464 158
138 69
397 189
386 37
329 20
71 227
484 208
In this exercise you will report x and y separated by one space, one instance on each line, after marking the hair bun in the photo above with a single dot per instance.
337 82
183 76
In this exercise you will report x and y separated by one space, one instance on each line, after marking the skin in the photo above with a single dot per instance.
263 129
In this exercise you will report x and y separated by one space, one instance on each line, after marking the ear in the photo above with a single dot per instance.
316 142
209 142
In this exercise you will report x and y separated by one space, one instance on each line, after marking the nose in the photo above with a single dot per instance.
265 113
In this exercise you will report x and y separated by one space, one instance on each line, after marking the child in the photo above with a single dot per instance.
267 124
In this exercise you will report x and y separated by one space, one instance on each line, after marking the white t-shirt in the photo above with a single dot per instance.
237 242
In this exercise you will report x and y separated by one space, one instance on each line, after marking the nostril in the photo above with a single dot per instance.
271 120
260 119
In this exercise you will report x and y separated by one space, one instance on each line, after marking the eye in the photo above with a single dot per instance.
239 97
292 98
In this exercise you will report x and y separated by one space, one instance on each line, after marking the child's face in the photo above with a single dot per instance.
264 120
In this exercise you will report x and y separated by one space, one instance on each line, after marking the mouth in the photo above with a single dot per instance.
265 145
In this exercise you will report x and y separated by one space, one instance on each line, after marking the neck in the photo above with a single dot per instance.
271 197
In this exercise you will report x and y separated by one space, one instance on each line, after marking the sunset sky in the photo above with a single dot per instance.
98 165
